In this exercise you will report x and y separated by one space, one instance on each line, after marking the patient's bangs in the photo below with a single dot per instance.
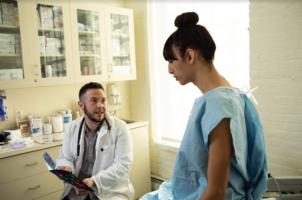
168 51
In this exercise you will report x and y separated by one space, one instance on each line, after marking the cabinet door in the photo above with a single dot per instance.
120 44
88 39
51 42
140 170
15 58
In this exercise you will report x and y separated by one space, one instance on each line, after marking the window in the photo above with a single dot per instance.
228 24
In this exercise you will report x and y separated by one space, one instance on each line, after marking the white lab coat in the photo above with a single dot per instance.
111 167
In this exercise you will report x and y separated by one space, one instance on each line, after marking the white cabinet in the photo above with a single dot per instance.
27 177
140 170
66 42
51 42
89 42
120 44
103 39
14 72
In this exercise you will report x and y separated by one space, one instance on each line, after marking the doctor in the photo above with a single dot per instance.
98 149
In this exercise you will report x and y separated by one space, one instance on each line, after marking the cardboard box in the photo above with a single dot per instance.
16 74
17 39
45 12
82 42
0 16
7 9
83 48
16 17
82 27
46 16
24 126
47 23
58 20
7 38
7 49
42 49
8 20
18 49
4 75
38 19
42 41
54 42
11 74
57 10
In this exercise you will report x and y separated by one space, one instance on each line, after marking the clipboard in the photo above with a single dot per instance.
65 175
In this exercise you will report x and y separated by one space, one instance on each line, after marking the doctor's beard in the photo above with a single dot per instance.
90 116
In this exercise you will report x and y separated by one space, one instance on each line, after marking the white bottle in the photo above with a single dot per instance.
67 118
57 123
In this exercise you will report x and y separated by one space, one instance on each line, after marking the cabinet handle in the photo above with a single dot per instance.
37 66
34 188
32 164
110 67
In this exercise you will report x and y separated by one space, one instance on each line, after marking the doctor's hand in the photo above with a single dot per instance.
64 168
80 191
89 182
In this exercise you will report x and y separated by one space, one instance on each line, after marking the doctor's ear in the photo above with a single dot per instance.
81 105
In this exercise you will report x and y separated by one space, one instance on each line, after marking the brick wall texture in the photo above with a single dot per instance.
276 68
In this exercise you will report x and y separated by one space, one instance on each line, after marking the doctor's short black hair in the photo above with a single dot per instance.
88 86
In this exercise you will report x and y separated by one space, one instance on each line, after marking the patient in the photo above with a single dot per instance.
222 154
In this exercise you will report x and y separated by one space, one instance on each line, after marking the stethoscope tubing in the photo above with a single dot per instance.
80 132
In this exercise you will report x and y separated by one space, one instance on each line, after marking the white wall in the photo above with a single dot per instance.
276 68
142 89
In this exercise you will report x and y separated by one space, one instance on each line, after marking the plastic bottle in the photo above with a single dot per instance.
67 117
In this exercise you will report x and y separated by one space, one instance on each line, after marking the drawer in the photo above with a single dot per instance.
52 196
25 165
41 185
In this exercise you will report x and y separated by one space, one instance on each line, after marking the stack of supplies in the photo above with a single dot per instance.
8 14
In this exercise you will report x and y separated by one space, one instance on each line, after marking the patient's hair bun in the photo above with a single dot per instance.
186 19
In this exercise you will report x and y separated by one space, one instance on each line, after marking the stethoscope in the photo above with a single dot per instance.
80 132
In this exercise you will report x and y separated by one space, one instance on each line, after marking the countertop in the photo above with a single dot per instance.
36 146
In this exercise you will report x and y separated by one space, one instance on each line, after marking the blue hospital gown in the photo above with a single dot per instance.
248 170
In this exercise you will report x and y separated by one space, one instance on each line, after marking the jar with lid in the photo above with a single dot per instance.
75 115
